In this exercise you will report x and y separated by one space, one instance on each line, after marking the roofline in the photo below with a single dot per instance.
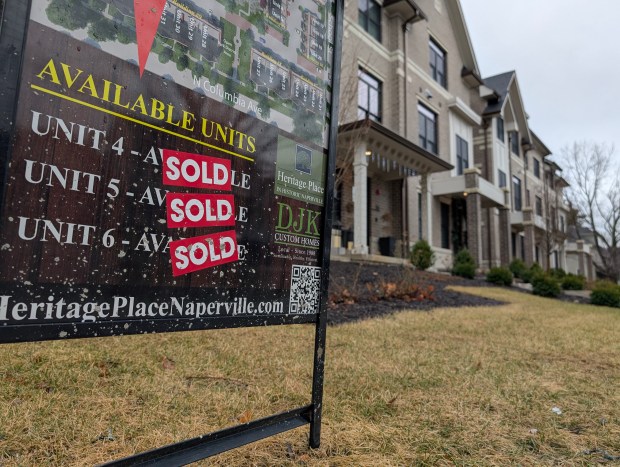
501 109
539 142
418 14
455 7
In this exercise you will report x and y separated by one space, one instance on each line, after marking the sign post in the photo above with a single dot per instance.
168 166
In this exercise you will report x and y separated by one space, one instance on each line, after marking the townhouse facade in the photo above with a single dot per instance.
428 149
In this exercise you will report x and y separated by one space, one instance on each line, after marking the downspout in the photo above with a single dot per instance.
487 176
405 190
486 127
528 201
509 184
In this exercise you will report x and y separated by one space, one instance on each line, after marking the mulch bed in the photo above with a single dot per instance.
353 291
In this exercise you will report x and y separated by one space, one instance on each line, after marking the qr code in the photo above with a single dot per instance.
305 290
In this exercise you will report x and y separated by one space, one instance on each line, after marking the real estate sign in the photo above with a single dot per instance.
165 167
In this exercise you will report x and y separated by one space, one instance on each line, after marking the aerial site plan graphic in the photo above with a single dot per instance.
268 58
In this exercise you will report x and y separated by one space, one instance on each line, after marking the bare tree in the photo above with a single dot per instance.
352 55
595 194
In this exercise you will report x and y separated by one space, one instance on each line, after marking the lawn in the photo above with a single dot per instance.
453 386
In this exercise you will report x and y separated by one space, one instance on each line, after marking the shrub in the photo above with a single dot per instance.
499 276
517 268
422 256
464 264
536 269
558 273
573 282
605 294
528 275
545 285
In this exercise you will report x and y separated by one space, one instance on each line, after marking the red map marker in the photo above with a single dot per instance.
148 14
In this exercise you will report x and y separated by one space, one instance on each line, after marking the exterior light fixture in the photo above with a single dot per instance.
368 153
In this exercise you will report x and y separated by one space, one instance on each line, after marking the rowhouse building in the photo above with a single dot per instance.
428 149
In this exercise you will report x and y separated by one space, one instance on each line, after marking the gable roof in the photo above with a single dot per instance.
506 87
462 38
500 84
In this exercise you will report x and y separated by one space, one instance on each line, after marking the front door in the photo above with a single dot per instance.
459 225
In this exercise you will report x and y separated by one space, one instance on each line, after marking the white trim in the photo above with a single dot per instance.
368 40
441 48
458 106
375 72
398 56
415 68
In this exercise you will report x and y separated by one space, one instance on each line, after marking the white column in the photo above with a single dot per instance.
360 200
412 210
427 209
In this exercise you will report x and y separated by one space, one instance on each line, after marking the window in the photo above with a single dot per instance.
445 225
514 142
370 18
528 198
462 155
500 128
536 168
561 223
539 210
427 128
437 63
516 188
501 178
368 96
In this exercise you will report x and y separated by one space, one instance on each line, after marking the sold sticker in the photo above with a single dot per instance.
195 254
196 171
199 210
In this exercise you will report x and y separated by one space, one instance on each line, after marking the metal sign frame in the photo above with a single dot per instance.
14 19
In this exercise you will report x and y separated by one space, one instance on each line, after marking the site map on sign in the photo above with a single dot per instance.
267 58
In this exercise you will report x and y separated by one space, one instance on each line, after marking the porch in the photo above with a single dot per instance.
376 191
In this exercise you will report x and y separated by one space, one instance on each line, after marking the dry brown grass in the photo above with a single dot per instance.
455 386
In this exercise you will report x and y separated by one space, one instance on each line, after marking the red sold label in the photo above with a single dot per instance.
196 171
193 210
195 254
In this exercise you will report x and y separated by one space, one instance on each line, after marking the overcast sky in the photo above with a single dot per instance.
567 58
